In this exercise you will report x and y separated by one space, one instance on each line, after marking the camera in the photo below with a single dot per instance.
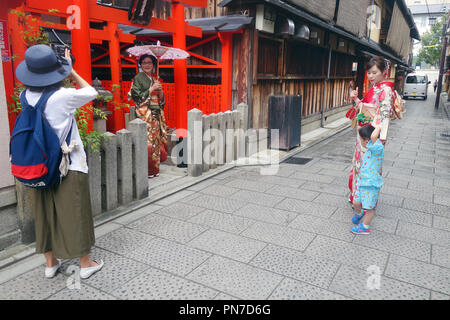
60 51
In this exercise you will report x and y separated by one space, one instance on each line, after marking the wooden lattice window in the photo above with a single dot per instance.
305 60
268 56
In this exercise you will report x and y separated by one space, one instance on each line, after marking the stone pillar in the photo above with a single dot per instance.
25 211
109 172
251 143
140 158
95 179
243 108
195 143
125 166
222 129
243 127
229 137
206 142
235 114
262 139
215 140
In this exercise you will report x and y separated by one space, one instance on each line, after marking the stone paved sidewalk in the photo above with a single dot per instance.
243 235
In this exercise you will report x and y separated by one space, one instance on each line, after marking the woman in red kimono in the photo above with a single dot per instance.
374 108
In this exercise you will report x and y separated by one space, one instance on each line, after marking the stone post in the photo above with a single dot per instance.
251 143
235 114
195 143
229 137
243 127
125 166
140 158
222 129
206 142
95 179
25 210
109 172
215 140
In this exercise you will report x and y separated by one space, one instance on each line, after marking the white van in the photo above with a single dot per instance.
416 85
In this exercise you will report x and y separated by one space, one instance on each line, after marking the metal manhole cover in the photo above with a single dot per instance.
297 160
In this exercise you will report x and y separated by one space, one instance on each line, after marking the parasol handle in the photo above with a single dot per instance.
157 68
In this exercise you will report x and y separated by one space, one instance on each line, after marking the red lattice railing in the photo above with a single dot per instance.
206 98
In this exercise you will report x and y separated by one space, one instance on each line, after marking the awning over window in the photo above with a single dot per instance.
352 17
399 34
324 9
208 25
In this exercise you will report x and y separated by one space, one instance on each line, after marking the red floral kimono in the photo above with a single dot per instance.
380 97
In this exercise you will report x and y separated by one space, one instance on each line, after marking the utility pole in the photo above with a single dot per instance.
442 62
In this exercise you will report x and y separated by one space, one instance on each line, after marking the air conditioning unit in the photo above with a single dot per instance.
265 18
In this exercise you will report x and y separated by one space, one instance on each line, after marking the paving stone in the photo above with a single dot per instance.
290 289
180 211
439 296
378 223
228 245
159 285
218 190
204 184
419 273
396 170
352 282
312 208
267 214
217 203
440 256
388 199
403 162
426 234
332 200
441 223
410 178
136 215
403 214
339 190
346 253
84 293
257 198
123 240
395 182
336 229
168 228
222 221
116 271
235 278
312 177
296 265
32 286
294 193
330 165
282 236
431 208
224 296
406 193
442 199
281 181
249 185
410 248
333 173
174 198
169 256
227 174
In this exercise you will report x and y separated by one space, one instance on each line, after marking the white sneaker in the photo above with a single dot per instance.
51 271
89 271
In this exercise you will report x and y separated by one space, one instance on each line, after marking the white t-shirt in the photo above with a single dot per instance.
59 113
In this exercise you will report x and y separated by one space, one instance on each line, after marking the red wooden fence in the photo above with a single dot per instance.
206 98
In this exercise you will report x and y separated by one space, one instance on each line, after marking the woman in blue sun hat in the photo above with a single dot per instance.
63 217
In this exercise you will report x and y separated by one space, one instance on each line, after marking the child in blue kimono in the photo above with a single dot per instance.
369 181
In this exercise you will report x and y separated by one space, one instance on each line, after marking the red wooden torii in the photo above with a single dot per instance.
82 38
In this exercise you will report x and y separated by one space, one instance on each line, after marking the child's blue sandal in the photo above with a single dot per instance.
359 229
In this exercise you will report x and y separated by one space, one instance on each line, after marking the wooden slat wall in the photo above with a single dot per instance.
336 95
163 10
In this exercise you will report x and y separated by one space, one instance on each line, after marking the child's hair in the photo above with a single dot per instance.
366 131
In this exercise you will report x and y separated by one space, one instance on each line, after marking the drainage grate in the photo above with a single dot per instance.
297 160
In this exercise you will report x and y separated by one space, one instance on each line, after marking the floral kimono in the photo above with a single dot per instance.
380 97
150 108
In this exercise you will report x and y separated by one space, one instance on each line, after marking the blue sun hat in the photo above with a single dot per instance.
42 67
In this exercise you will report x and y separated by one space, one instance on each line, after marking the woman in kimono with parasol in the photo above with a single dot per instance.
149 98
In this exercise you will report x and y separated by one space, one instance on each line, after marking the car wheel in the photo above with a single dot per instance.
405 98
425 98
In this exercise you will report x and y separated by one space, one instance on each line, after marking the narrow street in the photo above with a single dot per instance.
243 235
